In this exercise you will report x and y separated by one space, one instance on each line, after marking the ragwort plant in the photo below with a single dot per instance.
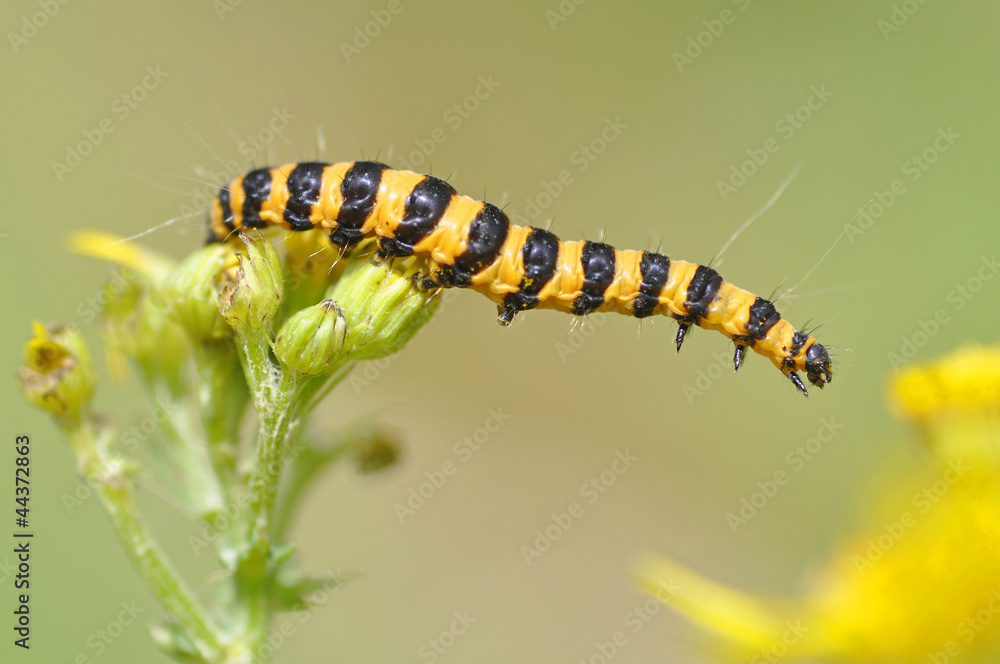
232 324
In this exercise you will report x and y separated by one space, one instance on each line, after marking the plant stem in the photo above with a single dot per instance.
189 452
221 394
114 491
278 424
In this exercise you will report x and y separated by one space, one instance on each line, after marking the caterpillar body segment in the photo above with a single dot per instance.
472 244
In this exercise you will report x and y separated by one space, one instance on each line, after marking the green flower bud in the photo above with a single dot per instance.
134 325
58 375
311 338
190 293
383 306
253 293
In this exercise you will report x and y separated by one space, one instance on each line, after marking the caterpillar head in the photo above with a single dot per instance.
818 366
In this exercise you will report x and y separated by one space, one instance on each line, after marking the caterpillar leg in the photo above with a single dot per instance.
424 282
741 347
505 314
682 330
794 377
433 277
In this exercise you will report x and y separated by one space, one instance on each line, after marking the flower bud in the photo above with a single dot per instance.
189 293
376 454
311 338
254 291
58 375
383 306
136 326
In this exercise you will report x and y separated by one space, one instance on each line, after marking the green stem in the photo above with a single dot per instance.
261 372
278 424
221 393
304 468
189 453
115 493
282 401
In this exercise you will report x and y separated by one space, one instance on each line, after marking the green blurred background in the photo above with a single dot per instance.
232 68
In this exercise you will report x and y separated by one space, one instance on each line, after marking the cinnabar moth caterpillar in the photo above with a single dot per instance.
472 244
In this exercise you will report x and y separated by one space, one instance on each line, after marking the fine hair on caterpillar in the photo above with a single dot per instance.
472 244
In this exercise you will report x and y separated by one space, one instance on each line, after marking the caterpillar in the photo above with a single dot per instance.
472 244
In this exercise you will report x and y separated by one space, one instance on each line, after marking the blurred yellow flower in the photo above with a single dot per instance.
114 249
923 586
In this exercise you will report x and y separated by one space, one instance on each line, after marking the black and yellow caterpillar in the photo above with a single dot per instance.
472 244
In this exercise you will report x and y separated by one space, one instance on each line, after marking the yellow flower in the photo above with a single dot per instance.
921 583
114 249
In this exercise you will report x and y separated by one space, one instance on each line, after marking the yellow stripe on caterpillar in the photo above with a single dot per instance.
472 244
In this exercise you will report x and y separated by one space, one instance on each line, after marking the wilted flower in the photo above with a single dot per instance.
58 375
